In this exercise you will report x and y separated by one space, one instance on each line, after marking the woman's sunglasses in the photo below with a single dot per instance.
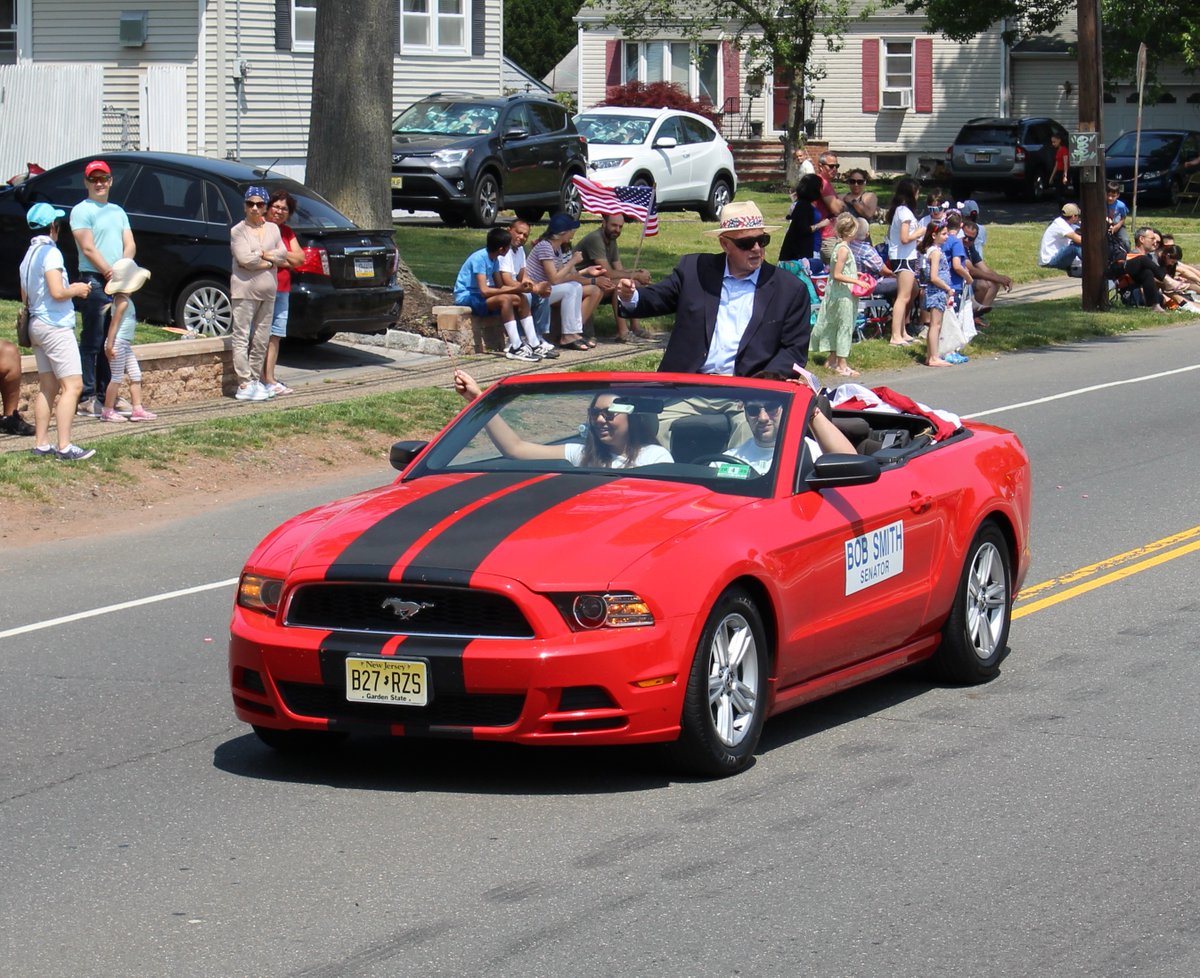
745 244
852 181
256 204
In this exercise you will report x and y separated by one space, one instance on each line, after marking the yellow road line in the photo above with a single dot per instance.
1108 562
1124 572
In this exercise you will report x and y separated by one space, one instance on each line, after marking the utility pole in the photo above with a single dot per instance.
1092 203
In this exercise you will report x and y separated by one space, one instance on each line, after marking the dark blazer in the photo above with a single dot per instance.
775 338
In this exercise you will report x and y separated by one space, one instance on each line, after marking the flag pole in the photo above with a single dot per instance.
637 259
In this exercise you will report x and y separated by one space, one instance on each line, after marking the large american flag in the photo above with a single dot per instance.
635 202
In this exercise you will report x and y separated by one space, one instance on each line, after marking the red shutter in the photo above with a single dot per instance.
923 74
870 74
731 72
612 60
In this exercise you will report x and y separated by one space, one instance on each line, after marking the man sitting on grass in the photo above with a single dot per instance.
1061 243
477 286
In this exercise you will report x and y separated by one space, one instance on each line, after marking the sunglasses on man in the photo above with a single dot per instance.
755 408
745 244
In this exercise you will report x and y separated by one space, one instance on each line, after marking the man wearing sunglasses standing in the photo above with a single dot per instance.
830 204
735 313
103 236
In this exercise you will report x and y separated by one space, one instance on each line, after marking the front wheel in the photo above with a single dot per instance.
726 699
719 195
485 202
975 636
1037 188
1172 197
203 307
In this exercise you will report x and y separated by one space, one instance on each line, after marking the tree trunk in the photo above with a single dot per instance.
350 124
349 133
793 136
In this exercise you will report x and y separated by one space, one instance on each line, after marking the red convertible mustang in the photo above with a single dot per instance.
630 558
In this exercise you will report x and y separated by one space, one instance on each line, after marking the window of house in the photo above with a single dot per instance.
434 25
897 75
304 24
692 67
8 32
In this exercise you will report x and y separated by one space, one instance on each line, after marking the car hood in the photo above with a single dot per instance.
550 532
419 142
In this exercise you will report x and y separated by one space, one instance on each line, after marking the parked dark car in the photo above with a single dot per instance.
469 157
1163 156
1003 154
181 209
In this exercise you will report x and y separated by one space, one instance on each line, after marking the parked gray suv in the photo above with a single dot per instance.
1009 155
468 157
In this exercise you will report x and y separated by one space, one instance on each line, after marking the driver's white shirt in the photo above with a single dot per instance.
759 457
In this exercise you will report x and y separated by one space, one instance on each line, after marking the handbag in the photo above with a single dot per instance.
864 286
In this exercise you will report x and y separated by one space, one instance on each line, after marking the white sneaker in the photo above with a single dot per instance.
264 388
251 392
523 353
546 351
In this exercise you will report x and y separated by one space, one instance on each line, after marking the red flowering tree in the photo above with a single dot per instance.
658 95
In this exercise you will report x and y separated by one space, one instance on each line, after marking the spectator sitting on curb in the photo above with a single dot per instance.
513 270
987 282
599 248
1061 242
11 423
1118 211
476 286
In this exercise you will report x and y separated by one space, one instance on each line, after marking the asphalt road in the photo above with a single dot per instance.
1044 824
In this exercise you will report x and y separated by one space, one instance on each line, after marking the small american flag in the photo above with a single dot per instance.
635 202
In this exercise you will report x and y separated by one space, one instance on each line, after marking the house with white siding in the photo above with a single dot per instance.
891 97
224 78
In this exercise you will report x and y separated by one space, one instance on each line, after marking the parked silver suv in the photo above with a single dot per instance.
1009 155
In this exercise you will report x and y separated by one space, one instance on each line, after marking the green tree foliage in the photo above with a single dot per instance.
774 37
538 34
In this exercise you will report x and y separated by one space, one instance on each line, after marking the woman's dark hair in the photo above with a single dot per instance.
904 195
931 230
859 170
808 187
643 431
286 198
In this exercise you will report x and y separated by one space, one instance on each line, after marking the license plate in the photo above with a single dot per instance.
397 183
403 681
364 268
983 157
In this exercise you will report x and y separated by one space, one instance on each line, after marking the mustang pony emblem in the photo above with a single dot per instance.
404 610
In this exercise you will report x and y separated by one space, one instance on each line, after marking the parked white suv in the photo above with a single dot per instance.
679 153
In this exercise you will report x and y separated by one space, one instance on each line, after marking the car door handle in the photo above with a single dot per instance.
919 503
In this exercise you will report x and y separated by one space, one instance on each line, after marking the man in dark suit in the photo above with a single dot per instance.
735 313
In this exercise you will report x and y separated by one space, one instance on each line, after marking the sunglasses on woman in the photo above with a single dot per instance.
745 244
855 183
256 204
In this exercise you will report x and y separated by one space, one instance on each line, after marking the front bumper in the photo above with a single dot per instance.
425 188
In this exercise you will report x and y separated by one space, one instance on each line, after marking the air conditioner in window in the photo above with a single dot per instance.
897 98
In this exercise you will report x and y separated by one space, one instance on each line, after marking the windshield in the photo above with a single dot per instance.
972 135
617 130
726 438
1159 148
447 119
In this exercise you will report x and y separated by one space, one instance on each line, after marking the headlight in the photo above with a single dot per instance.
1153 174
592 610
450 157
259 593
608 164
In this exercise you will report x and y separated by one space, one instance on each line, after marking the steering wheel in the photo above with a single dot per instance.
718 457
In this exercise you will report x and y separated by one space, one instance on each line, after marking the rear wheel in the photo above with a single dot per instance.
726 699
530 215
299 741
485 202
719 195
203 307
975 636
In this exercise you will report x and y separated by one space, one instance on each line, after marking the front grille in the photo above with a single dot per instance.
451 710
458 612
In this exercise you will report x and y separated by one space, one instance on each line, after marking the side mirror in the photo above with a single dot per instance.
403 452
836 471
516 134
666 142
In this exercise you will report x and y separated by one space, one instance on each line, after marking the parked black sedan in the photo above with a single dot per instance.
181 209
1166 161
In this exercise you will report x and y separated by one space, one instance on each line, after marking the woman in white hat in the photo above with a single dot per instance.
126 279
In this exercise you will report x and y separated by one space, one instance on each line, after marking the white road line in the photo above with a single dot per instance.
37 626
1082 390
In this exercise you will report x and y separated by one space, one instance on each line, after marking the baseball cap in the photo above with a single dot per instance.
1070 210
96 166
42 215
562 222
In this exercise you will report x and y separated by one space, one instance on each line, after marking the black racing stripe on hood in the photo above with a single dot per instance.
455 554
373 553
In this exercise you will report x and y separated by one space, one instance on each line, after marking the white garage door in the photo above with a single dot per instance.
1121 116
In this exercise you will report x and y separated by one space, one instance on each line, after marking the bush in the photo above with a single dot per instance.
659 95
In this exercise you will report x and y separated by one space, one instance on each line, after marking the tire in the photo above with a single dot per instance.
961 191
299 741
725 702
719 195
1036 188
204 306
641 180
975 636
486 202
453 219
530 215
1171 199
568 200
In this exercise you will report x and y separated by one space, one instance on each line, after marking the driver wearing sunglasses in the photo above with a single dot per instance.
735 314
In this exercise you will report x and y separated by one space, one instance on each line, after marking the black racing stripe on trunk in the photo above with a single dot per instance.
373 553
455 554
